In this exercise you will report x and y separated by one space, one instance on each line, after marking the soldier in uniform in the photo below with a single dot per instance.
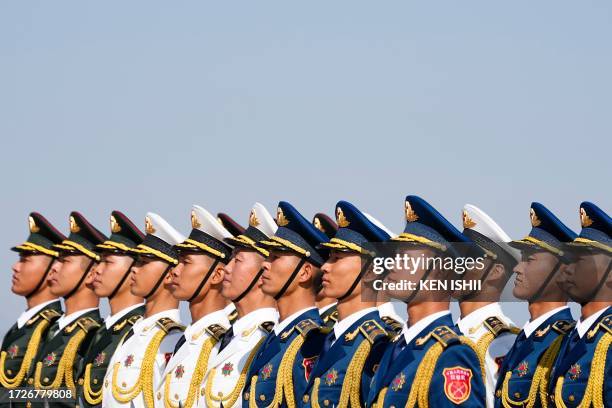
23 340
228 366
281 369
110 281
581 374
135 368
198 280
71 277
327 306
482 319
428 363
353 348
235 229
524 373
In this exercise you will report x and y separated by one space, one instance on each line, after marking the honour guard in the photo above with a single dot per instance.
197 279
71 277
110 281
482 319
23 340
327 306
135 368
351 351
228 366
523 377
281 369
582 372
235 229
428 363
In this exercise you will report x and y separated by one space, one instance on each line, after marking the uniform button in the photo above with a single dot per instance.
159 395
202 392
95 381
552 398
262 397
106 383
498 393
176 396
123 384
391 406
326 403
80 381
571 398
46 379
306 398
246 395
517 395
220 394
30 381
9 372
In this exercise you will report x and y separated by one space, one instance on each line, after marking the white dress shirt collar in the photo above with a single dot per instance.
65 320
412 331
282 325
28 314
343 325
326 308
532 325
478 316
112 319
584 325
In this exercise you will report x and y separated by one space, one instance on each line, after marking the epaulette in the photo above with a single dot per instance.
445 336
306 326
373 331
267 326
332 316
48 314
168 325
395 325
604 324
86 324
126 322
563 326
216 331
496 326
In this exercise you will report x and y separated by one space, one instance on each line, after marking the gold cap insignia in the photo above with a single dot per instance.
281 220
341 219
411 216
115 227
318 225
149 226
74 227
33 226
585 220
195 223
253 220
535 221
468 222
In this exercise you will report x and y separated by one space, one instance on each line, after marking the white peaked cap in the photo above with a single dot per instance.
155 225
477 220
204 221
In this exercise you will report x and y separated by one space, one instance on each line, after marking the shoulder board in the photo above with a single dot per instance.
49 315
168 325
563 326
373 331
216 331
267 326
496 326
605 324
305 326
395 325
87 323
445 336
127 322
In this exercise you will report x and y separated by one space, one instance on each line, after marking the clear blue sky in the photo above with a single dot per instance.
151 105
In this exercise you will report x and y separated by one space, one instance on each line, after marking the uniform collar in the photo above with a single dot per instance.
282 325
28 314
112 319
532 325
343 325
412 331
478 316
229 309
584 325
255 317
217 317
65 320
173 314
327 307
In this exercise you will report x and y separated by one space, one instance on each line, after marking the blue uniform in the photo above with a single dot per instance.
434 360
281 370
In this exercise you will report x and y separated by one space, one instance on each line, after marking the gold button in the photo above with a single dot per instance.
176 396
9 372
30 381
95 381
326 403
571 398
392 406
46 379
80 381
202 392
220 394
517 395
262 397
158 395
123 384
306 398
106 383
246 395
498 393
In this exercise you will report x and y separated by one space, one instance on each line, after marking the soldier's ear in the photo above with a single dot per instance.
218 274
306 273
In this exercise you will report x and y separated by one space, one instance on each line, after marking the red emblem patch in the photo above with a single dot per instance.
457 383
308 364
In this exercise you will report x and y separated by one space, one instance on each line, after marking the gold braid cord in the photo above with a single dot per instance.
64 374
231 398
196 379
351 387
539 383
92 397
593 394
144 382
14 382
381 398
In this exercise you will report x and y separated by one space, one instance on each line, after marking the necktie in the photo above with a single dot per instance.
181 341
227 337
329 340
399 346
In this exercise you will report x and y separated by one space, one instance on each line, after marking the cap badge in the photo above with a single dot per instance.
317 224
74 227
149 226
253 220
535 221
33 226
195 223
411 216
468 222
341 219
115 227
585 220
281 220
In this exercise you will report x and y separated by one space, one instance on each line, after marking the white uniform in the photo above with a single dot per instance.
227 370
125 367
180 371
474 327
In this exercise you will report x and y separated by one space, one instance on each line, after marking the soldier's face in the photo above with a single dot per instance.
109 272
66 273
582 277
28 271
188 274
145 274
240 272
278 268
339 273
531 273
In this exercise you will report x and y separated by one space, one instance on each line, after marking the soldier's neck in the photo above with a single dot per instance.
291 303
159 302
325 301
254 300
468 307
537 309
84 298
419 311
123 300
353 304
211 302
592 307
39 297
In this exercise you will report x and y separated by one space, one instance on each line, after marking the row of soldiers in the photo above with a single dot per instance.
280 314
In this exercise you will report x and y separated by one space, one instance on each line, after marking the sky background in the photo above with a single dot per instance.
154 106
